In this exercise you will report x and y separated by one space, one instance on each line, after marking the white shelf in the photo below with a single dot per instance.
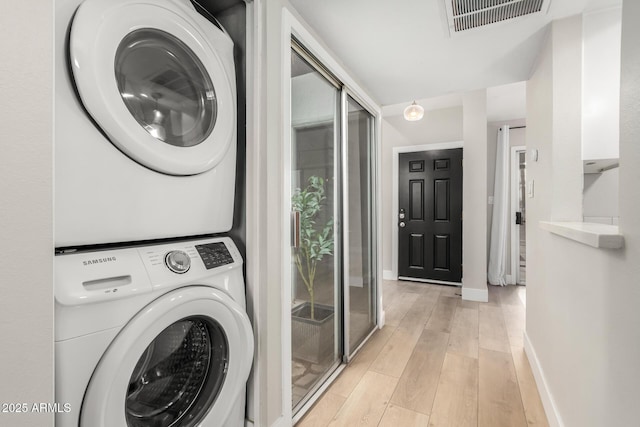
599 165
597 235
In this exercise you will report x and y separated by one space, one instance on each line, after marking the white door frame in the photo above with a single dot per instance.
394 191
514 277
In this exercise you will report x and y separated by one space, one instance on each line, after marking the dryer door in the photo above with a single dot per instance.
182 361
158 79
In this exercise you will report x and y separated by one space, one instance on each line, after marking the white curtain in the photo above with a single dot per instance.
497 273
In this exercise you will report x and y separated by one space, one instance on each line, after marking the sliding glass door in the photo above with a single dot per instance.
333 281
315 313
360 279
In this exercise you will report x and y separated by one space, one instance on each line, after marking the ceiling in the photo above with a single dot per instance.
401 50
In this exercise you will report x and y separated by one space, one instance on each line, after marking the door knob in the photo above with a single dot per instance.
402 224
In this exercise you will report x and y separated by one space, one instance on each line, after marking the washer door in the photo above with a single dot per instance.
155 83
181 361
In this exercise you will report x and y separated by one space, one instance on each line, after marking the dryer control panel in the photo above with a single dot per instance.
214 254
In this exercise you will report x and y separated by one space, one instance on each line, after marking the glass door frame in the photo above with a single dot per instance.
340 224
346 93
300 50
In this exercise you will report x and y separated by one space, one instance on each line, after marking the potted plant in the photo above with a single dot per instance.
312 330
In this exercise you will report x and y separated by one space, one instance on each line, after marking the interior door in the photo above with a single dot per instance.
430 216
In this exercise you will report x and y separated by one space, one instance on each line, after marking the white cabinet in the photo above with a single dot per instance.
601 84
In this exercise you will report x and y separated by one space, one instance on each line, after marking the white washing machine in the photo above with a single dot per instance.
152 336
145 122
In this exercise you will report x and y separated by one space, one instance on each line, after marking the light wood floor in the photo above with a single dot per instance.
439 361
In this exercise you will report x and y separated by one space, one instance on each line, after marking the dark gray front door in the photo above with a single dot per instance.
430 215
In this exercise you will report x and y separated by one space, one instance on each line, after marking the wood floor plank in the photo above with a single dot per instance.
468 391
494 295
510 295
419 312
450 291
390 291
366 405
442 316
456 400
353 373
419 381
396 353
416 287
323 411
393 358
493 333
464 333
514 319
533 409
398 308
370 351
499 402
396 416
468 304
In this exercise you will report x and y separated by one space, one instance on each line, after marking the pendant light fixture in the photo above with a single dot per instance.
413 112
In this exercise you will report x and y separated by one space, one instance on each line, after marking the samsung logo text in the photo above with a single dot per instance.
99 260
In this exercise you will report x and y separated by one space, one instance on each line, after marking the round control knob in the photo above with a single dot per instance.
178 261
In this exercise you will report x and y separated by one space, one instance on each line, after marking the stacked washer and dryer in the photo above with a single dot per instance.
151 327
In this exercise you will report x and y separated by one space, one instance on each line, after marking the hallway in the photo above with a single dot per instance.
439 361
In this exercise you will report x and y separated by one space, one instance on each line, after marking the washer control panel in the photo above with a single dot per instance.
214 254
178 261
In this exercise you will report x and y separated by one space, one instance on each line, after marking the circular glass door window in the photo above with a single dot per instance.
165 87
179 375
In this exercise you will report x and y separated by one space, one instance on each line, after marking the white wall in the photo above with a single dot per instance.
567 113
443 125
621 307
26 235
600 197
582 302
474 223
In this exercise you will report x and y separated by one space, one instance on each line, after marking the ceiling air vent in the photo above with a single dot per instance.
465 15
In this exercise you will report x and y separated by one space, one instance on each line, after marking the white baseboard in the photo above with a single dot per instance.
383 319
545 395
471 294
388 275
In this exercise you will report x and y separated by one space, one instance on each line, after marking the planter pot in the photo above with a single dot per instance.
312 339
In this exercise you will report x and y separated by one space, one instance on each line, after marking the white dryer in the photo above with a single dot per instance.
145 122
152 336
